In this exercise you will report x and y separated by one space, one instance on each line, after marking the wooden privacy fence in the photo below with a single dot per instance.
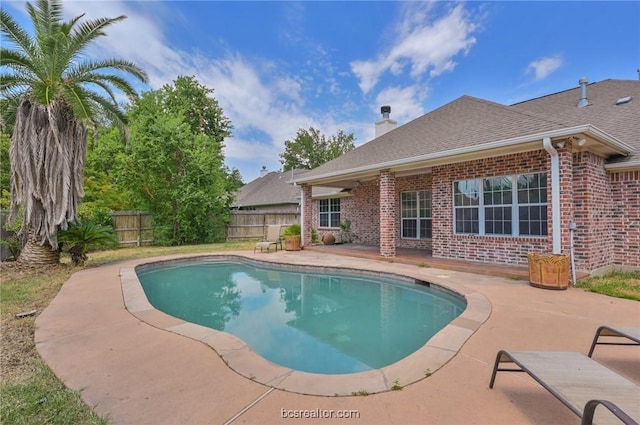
249 225
133 228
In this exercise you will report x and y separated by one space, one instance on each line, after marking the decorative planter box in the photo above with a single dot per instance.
549 271
292 243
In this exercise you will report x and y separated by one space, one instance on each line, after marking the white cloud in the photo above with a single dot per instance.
420 45
405 102
543 67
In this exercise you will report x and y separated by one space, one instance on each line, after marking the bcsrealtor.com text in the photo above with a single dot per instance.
319 413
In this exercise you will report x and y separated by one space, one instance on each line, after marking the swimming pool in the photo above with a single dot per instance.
324 321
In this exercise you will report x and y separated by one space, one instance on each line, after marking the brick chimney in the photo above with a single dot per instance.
386 124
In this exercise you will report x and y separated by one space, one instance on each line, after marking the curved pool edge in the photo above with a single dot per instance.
239 357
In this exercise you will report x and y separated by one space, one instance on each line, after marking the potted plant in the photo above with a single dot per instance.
292 237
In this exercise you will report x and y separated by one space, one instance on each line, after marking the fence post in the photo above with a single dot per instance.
139 228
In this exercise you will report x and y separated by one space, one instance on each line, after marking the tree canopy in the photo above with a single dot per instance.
311 148
175 167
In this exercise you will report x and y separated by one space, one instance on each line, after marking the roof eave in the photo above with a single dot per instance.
501 147
623 166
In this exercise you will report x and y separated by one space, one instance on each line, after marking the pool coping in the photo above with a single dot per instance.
239 357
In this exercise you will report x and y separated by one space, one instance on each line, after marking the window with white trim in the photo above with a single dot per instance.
415 210
330 212
507 205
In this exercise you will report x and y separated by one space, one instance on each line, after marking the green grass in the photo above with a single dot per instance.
29 392
614 284
43 399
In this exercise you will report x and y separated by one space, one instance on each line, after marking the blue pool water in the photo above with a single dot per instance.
305 319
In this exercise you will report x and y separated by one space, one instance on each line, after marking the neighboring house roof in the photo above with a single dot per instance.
470 128
277 188
274 188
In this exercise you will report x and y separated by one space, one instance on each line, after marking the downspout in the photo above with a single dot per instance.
555 194
301 216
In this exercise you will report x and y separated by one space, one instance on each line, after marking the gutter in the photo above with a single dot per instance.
623 166
555 194
608 140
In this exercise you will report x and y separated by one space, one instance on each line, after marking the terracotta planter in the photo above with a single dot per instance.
549 271
328 239
292 243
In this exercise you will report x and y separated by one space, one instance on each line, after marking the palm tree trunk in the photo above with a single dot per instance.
36 254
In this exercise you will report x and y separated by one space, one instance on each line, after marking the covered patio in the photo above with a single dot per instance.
423 257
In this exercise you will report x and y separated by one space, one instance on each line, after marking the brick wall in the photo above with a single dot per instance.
308 206
592 200
605 206
363 210
625 217
388 214
498 249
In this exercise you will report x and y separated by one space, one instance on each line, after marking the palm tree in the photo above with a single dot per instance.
50 93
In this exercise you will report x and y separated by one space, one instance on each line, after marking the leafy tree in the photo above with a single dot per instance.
311 148
176 165
104 168
50 92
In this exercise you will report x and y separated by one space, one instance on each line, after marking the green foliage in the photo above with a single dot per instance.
105 168
98 215
314 235
396 386
12 240
47 64
51 92
311 148
293 230
176 169
83 236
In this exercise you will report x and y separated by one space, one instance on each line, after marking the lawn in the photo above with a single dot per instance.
30 393
615 284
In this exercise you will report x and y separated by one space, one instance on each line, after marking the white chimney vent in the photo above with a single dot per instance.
386 124
264 171
583 92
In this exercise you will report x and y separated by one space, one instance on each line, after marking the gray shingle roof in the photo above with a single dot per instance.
471 122
274 188
621 121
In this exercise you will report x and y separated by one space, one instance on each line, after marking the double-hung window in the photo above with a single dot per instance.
508 205
416 214
330 212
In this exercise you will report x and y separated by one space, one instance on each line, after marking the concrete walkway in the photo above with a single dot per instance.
138 373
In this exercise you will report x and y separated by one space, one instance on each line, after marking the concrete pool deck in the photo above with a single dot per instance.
135 364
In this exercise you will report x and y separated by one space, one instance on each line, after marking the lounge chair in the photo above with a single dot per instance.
632 334
579 382
273 238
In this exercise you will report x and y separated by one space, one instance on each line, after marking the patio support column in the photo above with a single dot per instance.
387 214
307 215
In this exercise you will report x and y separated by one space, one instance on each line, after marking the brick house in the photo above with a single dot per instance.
481 181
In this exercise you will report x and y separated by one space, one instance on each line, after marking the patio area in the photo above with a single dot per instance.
423 258
139 373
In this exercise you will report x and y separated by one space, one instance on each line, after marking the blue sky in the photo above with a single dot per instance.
280 66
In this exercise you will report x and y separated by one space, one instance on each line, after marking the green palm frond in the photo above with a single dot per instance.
50 92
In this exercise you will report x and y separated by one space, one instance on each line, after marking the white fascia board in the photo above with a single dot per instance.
615 144
623 166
